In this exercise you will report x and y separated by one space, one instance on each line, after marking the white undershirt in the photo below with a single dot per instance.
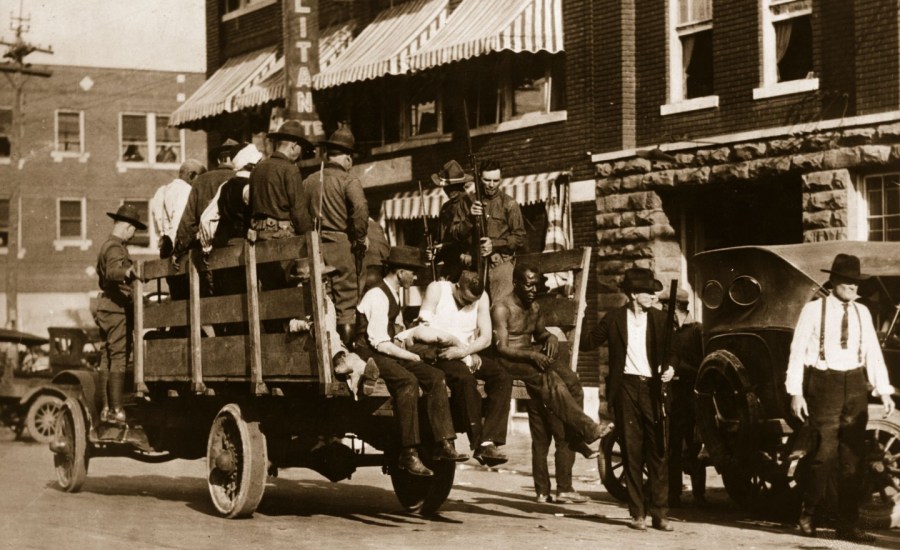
636 361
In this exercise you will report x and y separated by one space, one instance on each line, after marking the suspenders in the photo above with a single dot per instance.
822 333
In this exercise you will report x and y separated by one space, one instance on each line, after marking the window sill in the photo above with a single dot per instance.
786 88
5 251
123 166
412 143
58 156
82 244
5 160
526 121
247 9
688 105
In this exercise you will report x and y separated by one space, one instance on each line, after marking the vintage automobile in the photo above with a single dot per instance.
251 398
752 297
28 400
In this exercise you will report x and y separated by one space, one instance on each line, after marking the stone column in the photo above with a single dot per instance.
827 199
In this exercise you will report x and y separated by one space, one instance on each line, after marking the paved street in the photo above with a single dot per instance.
129 504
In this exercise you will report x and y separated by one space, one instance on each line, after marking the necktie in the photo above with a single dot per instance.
845 322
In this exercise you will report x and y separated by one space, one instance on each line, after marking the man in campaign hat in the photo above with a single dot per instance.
635 335
115 271
835 356
337 205
452 180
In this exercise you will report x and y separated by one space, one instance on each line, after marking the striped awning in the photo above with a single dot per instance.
477 27
385 46
407 205
216 95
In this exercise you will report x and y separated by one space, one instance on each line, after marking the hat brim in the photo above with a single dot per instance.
405 265
657 286
278 136
860 277
132 221
334 145
442 182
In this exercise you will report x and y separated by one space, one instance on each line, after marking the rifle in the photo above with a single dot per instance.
481 266
428 240
662 388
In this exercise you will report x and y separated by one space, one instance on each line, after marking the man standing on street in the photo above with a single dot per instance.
835 354
115 271
338 205
635 335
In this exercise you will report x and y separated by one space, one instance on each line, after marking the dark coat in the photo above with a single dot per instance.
613 330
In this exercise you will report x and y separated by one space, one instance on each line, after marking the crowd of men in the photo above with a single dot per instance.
486 325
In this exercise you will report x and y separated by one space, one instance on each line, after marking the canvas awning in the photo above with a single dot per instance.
477 28
407 205
385 46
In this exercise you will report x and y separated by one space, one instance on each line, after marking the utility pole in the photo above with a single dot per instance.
17 71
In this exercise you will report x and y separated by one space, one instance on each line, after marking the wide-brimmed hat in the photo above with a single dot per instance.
342 139
227 144
846 266
128 213
291 130
451 174
640 279
409 257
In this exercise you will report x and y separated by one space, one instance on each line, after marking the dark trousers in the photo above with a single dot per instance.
466 401
337 253
838 412
115 330
684 446
403 379
641 445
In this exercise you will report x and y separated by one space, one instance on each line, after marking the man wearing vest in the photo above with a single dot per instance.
835 354
380 320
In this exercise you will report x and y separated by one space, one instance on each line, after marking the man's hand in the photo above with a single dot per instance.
487 247
477 209
668 374
541 361
466 259
452 353
798 407
551 347
888 402
176 265
432 251
130 274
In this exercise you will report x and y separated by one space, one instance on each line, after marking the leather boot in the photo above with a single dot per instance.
347 332
102 383
410 461
116 389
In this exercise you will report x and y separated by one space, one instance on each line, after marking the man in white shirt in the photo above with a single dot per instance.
837 363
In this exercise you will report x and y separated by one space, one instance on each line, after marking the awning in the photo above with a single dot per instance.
385 45
477 27
407 205
215 96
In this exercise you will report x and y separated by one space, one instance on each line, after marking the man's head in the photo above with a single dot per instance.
225 152
468 289
404 262
290 139
339 147
845 276
525 283
452 179
300 274
190 169
127 222
640 287
490 177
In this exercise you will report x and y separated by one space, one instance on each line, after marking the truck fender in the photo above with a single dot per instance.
47 389
80 385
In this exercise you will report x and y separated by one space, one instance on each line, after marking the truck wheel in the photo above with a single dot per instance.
612 468
41 417
424 494
237 463
70 447
881 494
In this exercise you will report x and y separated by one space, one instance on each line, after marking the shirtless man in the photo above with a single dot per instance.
529 352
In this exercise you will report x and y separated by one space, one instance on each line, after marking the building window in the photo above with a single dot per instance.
787 47
69 131
5 133
71 225
4 223
423 108
882 197
691 49
142 238
235 8
147 140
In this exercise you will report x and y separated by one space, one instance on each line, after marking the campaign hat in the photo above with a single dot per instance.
291 130
128 213
451 174
408 257
341 139
227 144
846 266
640 279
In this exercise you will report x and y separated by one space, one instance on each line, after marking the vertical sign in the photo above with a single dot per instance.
301 62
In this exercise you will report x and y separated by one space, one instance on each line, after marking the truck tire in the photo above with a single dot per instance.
41 418
424 495
237 463
881 494
70 447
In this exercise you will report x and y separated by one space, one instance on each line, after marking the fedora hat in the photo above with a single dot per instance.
291 130
227 144
342 139
847 267
451 174
128 213
640 279
409 257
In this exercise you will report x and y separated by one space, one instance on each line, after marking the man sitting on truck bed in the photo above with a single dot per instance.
379 321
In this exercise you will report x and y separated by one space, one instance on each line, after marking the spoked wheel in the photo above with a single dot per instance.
69 446
237 463
423 494
882 470
41 418
611 466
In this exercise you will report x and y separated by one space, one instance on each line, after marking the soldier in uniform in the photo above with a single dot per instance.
454 250
337 203
115 271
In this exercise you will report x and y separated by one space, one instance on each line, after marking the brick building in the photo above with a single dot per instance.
94 137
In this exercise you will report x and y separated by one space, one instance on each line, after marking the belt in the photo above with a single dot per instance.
271 224
638 377
836 372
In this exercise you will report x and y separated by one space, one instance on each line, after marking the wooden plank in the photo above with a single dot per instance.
194 306
273 304
137 290
284 355
323 350
552 262
581 279
257 387
558 311
231 256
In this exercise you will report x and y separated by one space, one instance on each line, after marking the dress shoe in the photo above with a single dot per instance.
447 452
807 528
586 450
410 461
571 497
489 455
662 524
854 534
544 499
638 524
117 416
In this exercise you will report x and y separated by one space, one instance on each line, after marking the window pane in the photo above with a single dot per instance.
796 60
4 222
422 108
5 147
694 11
70 219
5 122
529 82
165 133
70 228
134 128
558 83
141 237
70 210
874 197
892 228
891 199
699 70
481 93
69 127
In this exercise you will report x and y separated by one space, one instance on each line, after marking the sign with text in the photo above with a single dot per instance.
301 62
